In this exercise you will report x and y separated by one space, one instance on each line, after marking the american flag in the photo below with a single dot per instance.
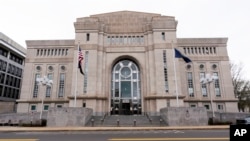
80 59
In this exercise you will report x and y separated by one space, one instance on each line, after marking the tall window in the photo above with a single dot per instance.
87 37
165 70
203 86
108 40
48 89
35 91
190 84
125 80
85 81
61 85
217 85
163 35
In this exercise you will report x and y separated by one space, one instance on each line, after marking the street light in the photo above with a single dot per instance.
207 80
44 82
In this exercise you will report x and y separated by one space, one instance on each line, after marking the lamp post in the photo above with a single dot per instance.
44 82
207 80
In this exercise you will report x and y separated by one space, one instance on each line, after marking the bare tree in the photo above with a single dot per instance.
236 72
241 86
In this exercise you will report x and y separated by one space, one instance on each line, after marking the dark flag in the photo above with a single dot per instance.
80 59
179 55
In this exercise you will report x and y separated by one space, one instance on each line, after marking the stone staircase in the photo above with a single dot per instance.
125 121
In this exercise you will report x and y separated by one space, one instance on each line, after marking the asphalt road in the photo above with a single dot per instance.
153 135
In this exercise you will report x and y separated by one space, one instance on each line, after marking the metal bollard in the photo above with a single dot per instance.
92 122
134 122
102 120
118 122
160 122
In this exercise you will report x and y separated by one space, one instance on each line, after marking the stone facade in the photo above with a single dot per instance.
129 68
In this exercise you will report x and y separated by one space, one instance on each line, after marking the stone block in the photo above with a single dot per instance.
184 116
68 116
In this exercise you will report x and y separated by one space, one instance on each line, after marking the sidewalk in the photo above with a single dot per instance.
49 129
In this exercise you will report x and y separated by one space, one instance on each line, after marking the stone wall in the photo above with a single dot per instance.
184 116
68 116
7 107
22 118
227 117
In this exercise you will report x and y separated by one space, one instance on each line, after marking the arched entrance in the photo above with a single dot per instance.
125 88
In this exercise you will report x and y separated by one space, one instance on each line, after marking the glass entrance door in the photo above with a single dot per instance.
125 94
125 89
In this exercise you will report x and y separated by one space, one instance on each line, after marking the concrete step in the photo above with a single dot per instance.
126 120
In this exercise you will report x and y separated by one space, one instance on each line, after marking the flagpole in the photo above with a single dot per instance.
176 88
76 73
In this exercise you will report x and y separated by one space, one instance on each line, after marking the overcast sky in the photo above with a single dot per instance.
53 19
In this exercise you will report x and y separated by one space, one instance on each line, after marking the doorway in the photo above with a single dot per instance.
125 88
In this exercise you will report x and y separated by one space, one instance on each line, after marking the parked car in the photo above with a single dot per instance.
245 120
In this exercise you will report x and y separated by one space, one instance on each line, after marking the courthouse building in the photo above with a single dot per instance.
129 68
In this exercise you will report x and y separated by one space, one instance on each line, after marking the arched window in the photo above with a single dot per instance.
125 90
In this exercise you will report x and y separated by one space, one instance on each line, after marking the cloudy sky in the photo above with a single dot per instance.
53 19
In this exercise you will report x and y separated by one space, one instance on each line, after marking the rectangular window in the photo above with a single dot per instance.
35 91
165 70
112 40
48 88
116 39
1 90
217 85
163 35
48 52
125 40
207 106
33 107
193 105
190 84
59 106
203 86
2 75
37 52
168 103
61 85
133 39
84 104
52 52
220 107
46 107
129 39
108 40
138 39
66 52
87 37
142 40
121 40
85 83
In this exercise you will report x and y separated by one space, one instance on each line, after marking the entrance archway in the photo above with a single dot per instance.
125 88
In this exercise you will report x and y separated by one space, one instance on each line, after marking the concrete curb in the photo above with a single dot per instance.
57 129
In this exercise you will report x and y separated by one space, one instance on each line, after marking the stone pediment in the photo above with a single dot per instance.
125 17
125 21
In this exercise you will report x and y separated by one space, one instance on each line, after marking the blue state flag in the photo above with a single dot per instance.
179 55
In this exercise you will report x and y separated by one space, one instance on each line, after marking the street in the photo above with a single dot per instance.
149 135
